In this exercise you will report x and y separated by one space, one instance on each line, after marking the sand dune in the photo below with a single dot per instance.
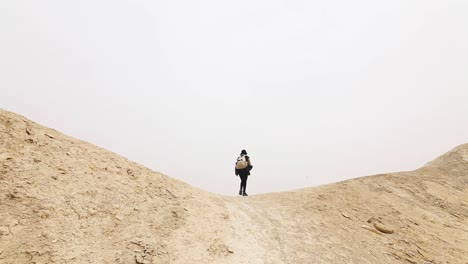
63 200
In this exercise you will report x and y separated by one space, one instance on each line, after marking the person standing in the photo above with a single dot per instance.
243 167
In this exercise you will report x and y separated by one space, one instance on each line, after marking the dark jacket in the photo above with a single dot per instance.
245 171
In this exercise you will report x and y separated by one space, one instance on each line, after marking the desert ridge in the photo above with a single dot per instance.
63 200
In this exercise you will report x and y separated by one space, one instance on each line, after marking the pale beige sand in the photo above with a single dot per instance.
63 200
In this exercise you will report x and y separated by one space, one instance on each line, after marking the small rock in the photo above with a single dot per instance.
370 229
382 228
345 215
28 131
169 192
13 195
4 231
14 222
377 223
49 136
372 220
139 259
45 214
92 212
230 250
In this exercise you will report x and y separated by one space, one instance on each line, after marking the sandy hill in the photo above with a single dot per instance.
63 200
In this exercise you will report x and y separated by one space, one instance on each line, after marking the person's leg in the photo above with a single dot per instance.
245 185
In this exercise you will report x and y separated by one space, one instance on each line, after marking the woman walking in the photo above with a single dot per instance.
243 167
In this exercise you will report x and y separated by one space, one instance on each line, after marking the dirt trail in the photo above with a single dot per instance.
253 227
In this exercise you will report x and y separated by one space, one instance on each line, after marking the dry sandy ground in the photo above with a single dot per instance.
63 200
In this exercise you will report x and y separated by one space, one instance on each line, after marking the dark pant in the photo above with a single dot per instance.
243 184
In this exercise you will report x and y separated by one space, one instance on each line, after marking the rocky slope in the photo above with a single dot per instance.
63 200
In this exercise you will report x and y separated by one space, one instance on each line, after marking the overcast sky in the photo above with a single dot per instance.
315 91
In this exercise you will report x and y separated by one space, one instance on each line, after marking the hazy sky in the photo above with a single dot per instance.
315 91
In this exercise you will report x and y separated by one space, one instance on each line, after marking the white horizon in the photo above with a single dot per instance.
315 92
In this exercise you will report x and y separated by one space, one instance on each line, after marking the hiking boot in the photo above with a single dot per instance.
245 194
240 192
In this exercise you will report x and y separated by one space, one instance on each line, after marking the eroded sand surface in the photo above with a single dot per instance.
63 200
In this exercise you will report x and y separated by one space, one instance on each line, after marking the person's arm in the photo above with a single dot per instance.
250 166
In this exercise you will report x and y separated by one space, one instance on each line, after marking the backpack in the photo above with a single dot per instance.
241 163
